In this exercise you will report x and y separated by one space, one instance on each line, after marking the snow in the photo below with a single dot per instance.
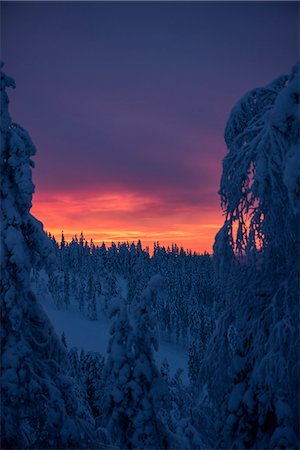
292 176
236 397
94 335
91 335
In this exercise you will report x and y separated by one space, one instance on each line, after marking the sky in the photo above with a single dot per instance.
127 103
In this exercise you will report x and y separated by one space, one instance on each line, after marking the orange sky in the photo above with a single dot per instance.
127 216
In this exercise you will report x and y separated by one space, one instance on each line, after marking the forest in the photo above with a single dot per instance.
235 312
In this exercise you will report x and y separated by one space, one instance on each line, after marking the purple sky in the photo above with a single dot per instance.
133 98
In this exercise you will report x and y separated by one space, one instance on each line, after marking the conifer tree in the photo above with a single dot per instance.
91 372
63 340
66 288
118 403
150 389
41 407
92 306
257 255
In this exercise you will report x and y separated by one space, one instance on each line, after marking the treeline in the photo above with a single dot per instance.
186 306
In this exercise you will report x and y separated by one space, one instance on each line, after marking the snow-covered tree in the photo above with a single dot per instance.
111 290
118 403
41 407
92 305
67 289
64 340
91 374
150 390
194 362
74 362
257 257
135 390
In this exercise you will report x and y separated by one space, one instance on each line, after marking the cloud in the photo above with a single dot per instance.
127 111
121 216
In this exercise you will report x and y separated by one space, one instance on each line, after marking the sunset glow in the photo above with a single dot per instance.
119 217
129 106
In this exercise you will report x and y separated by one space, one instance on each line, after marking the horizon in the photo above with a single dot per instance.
127 105
146 246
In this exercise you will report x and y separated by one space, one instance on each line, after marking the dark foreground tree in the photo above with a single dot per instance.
41 407
253 360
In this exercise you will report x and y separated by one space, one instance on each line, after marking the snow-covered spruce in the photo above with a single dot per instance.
135 390
150 390
41 406
91 274
118 394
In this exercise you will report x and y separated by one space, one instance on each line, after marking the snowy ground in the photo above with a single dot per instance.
94 335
